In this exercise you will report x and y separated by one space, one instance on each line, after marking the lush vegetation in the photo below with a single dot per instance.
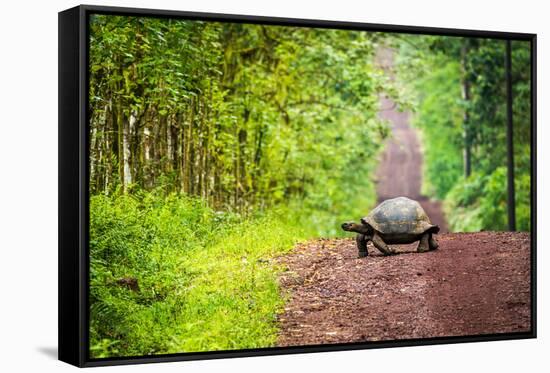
206 279
215 147
461 111
243 116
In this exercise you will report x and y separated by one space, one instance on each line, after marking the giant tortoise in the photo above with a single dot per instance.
395 221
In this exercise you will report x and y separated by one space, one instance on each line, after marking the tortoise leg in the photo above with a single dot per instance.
362 245
381 245
433 243
424 244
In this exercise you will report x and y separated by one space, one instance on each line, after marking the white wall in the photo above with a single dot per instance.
28 183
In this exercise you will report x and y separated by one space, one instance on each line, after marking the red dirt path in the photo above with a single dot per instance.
400 169
475 283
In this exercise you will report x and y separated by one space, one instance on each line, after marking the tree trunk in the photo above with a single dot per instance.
467 136
107 148
120 147
127 130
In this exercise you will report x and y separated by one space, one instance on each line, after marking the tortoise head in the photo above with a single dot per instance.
363 228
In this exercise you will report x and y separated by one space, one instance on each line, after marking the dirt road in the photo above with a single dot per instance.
476 283
400 169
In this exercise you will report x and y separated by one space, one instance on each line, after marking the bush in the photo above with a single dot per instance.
480 202
206 280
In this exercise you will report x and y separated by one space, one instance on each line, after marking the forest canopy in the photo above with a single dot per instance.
458 85
243 116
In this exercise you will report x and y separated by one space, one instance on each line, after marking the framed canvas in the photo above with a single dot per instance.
235 186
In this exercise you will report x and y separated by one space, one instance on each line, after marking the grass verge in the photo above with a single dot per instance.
205 281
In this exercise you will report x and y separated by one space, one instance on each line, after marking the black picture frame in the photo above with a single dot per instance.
74 195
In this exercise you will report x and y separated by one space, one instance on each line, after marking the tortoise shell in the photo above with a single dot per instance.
399 216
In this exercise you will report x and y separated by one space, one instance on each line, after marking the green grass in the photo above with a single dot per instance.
207 280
